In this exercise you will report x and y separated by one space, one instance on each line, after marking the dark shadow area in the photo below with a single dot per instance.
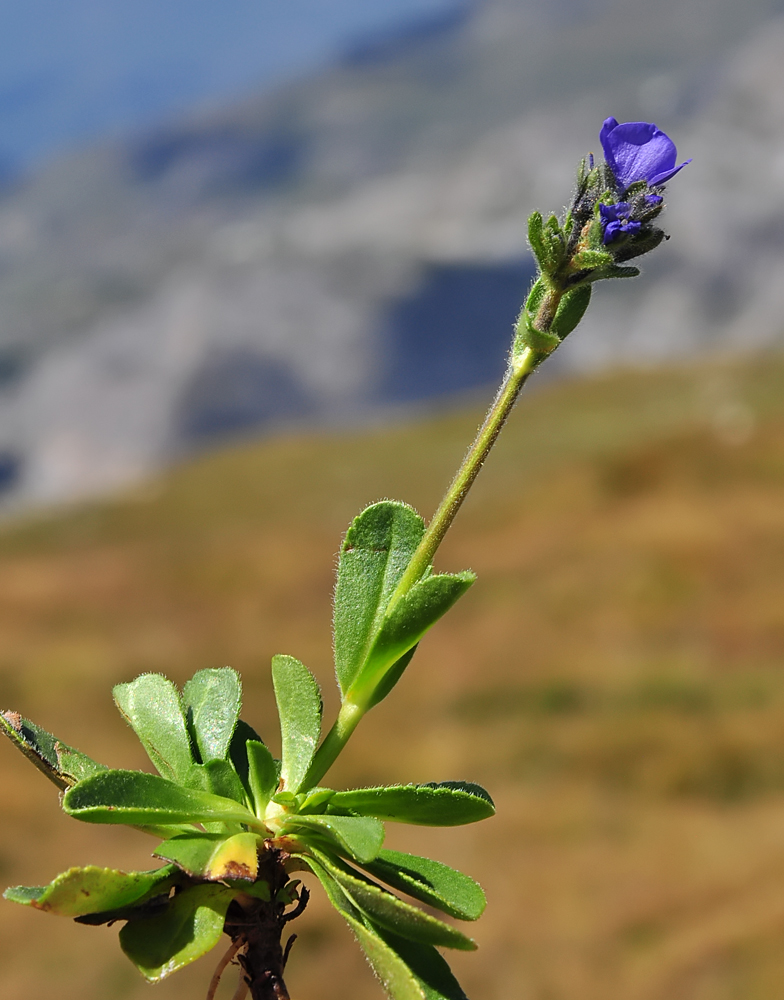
10 470
454 331
237 391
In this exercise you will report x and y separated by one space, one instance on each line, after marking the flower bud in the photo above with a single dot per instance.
610 221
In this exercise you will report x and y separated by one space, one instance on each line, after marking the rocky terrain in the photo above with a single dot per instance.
355 241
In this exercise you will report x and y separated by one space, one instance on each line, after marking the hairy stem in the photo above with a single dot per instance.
516 375
333 743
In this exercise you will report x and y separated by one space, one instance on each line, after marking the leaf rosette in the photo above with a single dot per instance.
234 822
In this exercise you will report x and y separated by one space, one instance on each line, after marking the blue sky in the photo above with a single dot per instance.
72 71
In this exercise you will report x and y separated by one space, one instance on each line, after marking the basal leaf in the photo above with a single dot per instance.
212 700
80 891
61 764
212 856
405 625
263 774
360 837
236 858
152 707
428 968
386 910
377 549
299 708
133 797
189 927
431 882
398 980
218 777
446 804
407 971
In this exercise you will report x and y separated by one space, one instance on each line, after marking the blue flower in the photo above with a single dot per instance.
616 221
638 151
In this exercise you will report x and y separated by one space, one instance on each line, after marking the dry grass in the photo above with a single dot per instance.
614 678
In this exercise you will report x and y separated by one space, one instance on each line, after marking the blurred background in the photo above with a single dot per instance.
258 267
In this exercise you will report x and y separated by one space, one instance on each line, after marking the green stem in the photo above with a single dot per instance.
334 741
518 371
520 367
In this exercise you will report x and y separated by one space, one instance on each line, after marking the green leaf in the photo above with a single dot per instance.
361 837
61 764
407 971
589 259
377 549
397 979
571 310
391 677
212 856
430 882
315 800
189 927
386 910
238 753
218 777
212 700
428 968
81 891
553 244
236 858
152 707
406 623
534 300
133 797
263 774
299 708
446 804
621 272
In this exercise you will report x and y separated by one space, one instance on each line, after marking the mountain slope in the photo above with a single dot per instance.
357 239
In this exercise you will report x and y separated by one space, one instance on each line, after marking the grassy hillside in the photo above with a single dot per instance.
614 679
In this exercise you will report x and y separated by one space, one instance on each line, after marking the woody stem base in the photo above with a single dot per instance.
257 927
